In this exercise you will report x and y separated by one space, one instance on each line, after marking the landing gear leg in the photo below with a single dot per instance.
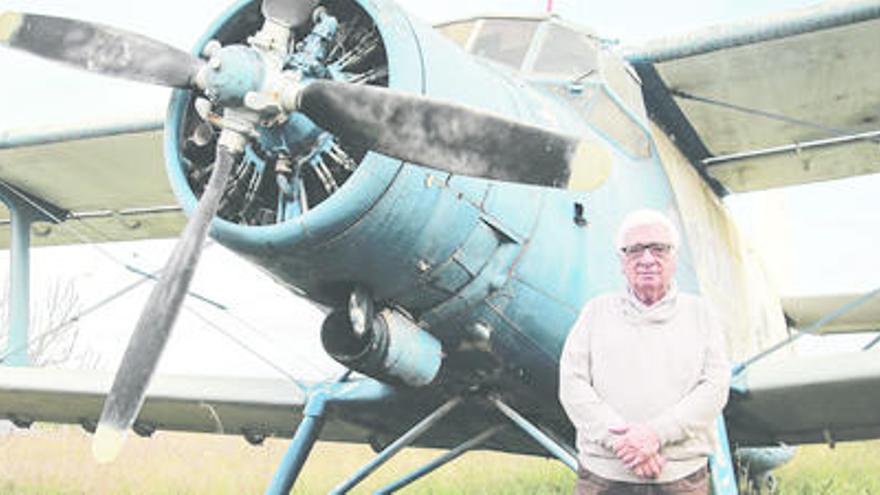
539 436
395 447
438 462
301 445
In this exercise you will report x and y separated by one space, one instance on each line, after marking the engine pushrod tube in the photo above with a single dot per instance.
395 446
439 461
539 436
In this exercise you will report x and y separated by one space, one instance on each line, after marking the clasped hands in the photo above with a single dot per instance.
638 447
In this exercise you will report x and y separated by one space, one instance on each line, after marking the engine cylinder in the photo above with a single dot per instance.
393 350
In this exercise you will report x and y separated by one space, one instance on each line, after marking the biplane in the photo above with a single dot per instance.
450 195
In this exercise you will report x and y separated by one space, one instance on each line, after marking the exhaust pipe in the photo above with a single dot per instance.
392 349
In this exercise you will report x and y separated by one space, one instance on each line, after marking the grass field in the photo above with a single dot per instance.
54 460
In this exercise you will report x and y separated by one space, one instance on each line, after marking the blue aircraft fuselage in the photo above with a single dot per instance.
496 271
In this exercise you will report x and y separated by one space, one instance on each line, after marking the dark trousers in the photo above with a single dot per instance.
592 484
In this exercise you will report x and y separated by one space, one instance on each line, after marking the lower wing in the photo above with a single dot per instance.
807 400
360 410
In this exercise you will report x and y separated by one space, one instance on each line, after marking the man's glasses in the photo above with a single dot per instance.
658 249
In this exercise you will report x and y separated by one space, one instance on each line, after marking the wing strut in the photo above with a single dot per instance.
24 210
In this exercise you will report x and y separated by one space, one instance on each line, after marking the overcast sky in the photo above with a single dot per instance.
830 229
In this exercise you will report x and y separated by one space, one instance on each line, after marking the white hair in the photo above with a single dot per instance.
646 217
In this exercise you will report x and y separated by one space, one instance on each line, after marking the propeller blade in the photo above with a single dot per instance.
154 326
98 48
290 13
448 136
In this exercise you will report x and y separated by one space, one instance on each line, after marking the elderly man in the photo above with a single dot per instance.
644 374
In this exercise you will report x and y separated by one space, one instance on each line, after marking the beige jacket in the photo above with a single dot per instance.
663 365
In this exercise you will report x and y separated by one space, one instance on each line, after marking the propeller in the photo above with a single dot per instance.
154 326
101 49
440 134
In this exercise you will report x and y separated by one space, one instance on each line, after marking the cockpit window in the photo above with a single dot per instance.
566 52
505 40
459 32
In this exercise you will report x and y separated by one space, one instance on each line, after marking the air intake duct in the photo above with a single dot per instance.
393 349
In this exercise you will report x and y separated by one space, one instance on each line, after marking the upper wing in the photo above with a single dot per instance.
107 176
771 102
807 400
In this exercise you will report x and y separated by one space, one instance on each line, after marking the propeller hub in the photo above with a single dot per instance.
231 73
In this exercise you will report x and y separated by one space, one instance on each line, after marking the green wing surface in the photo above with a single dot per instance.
108 178
774 101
